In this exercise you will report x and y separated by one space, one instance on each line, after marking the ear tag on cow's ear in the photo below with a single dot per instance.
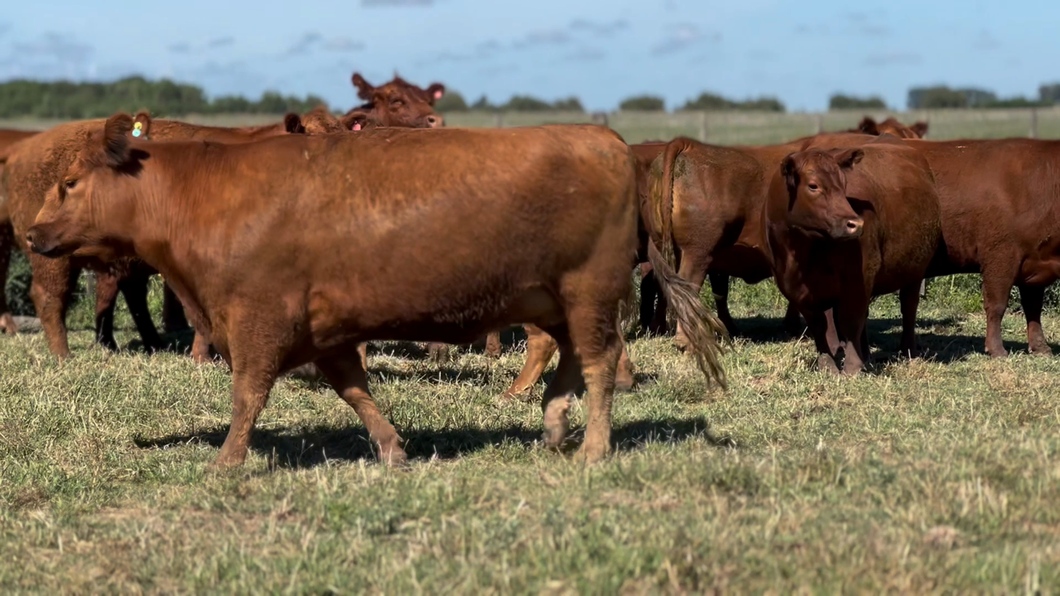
356 126
138 129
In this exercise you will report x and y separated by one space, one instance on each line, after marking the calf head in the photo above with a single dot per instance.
86 213
817 200
318 121
400 103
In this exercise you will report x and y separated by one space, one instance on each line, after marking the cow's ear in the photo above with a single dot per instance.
141 127
354 121
116 139
292 123
364 90
868 126
848 158
920 128
787 170
436 91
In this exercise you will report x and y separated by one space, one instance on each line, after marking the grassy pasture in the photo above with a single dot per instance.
938 475
934 475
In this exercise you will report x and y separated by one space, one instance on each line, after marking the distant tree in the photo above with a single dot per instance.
483 103
711 101
840 101
570 104
525 103
940 96
452 101
976 98
1015 102
645 103
1049 93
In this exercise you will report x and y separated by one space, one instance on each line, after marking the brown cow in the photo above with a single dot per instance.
837 235
35 165
717 189
1001 217
892 127
8 139
540 347
285 263
397 103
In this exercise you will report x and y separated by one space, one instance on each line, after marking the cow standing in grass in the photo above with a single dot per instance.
298 249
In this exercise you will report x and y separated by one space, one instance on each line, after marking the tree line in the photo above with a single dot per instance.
64 99
69 100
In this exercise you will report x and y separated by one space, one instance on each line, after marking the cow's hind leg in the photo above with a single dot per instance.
1032 298
850 322
997 285
909 298
540 347
719 286
347 376
792 324
173 317
493 344
200 349
595 340
568 382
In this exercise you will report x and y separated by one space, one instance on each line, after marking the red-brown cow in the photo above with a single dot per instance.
397 103
892 127
540 347
35 164
837 235
714 192
285 263
8 139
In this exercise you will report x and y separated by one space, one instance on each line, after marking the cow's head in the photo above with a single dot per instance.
317 121
92 207
817 192
400 103
893 127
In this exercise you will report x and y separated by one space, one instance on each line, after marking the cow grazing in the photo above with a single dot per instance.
297 249
839 233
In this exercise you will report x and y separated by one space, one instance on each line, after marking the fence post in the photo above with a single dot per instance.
820 123
703 126
1034 123
498 119
600 118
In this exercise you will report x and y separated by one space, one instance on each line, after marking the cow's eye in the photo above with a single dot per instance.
397 102
814 187
70 183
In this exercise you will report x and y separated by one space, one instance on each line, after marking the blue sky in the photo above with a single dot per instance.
598 50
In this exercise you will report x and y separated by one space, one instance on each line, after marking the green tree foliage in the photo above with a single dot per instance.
526 103
483 103
711 101
451 102
850 102
570 104
1049 93
644 103
64 99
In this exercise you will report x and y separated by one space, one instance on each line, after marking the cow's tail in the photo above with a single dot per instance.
706 333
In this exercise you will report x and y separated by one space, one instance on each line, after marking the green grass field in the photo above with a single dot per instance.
938 475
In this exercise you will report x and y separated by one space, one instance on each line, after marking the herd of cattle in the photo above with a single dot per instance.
295 244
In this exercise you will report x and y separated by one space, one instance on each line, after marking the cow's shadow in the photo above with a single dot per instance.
309 447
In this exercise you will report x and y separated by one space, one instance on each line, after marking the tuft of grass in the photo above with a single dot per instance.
933 475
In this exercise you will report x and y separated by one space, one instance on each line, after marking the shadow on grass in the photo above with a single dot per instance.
307 447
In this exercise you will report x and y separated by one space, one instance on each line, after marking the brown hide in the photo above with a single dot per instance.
297 249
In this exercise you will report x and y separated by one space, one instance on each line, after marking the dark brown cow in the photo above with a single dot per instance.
837 235
8 139
397 103
285 263
35 165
